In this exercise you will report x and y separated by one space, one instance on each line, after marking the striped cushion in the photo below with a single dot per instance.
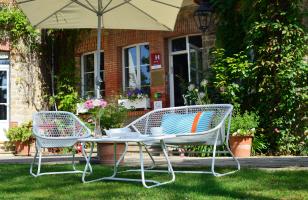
186 123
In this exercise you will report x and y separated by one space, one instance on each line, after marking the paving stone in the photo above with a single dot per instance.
177 161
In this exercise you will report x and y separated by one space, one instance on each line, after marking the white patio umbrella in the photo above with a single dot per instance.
109 14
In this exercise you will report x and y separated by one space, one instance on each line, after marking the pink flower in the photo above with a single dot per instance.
89 104
276 130
103 103
94 103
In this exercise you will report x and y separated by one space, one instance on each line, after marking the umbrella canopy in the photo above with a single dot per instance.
109 14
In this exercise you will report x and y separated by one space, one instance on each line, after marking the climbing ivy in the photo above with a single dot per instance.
15 26
63 41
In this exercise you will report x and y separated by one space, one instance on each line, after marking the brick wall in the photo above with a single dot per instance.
113 42
4 45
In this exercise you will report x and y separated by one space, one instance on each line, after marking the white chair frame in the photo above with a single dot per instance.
63 129
217 135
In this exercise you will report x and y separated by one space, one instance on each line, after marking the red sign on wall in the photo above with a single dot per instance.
155 61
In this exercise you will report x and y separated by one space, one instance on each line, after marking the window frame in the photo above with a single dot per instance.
83 72
137 45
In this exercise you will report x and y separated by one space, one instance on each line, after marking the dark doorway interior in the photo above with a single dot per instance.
180 70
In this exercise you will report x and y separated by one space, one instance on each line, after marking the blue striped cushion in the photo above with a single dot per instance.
182 123
205 121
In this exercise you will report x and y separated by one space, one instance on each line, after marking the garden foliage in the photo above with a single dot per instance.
15 26
272 79
113 116
22 133
66 94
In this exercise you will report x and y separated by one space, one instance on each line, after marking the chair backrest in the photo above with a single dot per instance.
220 113
58 124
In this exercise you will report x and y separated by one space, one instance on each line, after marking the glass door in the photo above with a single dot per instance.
185 56
4 101
196 72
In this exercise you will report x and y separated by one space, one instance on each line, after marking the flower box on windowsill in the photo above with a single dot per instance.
135 104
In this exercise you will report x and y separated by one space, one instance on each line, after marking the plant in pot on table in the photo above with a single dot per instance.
113 116
243 128
21 137
106 116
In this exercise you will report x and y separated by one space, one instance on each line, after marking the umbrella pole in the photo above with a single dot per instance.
98 78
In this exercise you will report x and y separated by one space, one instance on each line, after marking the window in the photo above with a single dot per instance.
136 73
4 58
88 76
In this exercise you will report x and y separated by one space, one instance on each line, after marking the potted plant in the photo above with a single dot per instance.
243 127
134 99
21 137
101 115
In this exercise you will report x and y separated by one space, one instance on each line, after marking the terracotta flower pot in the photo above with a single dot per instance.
105 152
241 145
22 148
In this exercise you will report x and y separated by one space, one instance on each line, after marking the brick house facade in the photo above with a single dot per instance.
114 41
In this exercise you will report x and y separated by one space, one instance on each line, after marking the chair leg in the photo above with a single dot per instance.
213 163
39 162
33 162
234 158
73 161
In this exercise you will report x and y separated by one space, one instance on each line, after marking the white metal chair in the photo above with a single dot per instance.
217 133
56 129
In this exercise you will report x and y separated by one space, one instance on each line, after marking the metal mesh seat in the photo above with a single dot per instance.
56 129
217 133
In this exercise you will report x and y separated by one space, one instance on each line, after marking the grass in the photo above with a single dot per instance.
16 183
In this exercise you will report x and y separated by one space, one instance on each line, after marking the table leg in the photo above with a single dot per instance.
88 159
170 169
143 180
117 162
151 157
142 165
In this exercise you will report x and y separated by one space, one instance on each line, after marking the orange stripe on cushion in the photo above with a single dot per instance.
195 122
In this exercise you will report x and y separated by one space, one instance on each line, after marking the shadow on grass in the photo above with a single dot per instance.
246 184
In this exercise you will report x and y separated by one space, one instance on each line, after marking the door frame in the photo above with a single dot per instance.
170 56
6 67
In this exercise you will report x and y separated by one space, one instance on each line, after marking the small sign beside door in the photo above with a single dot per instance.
158 105
155 61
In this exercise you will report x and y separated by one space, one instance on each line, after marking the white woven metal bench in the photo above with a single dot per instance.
216 134
56 129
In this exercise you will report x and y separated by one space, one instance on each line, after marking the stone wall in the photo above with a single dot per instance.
26 85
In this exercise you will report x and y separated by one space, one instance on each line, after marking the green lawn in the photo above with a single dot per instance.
16 183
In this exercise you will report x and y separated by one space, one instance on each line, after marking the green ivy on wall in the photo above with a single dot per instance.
15 26
63 41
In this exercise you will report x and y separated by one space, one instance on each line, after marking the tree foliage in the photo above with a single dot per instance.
15 26
280 73
273 79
